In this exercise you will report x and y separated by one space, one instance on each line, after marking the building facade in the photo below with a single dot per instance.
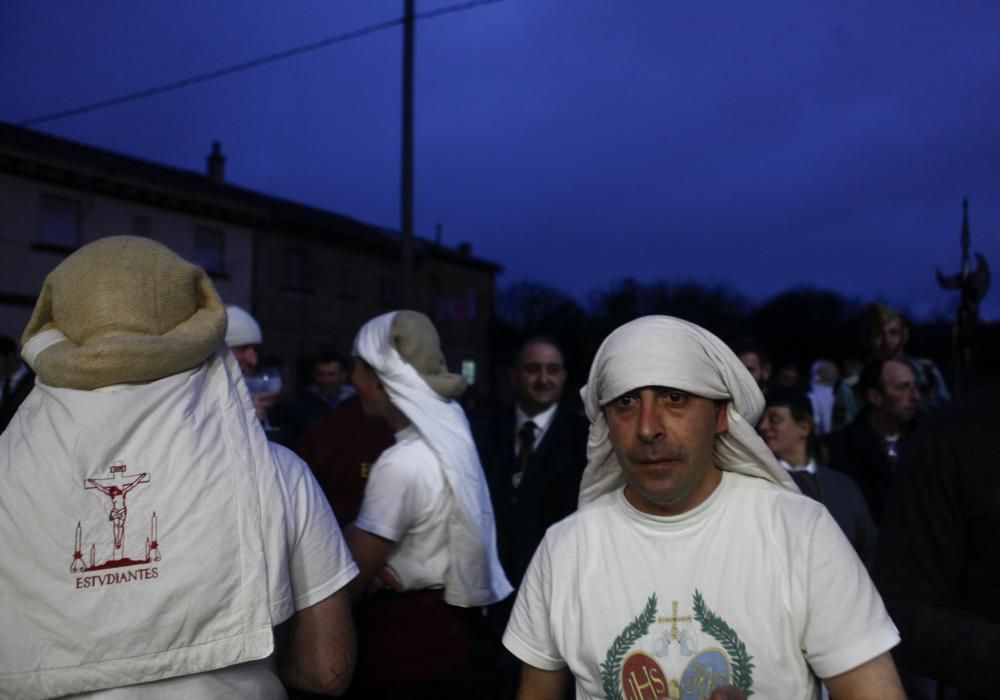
311 277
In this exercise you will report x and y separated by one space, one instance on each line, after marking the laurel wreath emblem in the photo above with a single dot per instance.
715 626
711 624
632 633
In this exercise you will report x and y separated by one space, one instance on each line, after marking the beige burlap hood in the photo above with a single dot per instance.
120 310
144 556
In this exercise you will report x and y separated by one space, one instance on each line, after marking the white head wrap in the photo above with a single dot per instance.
474 575
666 351
242 328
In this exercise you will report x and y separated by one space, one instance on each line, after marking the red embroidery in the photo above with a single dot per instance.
116 487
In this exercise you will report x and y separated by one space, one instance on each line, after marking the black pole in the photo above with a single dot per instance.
406 195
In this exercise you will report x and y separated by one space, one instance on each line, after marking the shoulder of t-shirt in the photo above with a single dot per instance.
598 511
785 502
404 456
291 468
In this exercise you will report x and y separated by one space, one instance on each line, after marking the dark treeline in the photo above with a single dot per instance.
797 326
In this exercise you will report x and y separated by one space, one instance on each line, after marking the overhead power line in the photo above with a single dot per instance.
248 65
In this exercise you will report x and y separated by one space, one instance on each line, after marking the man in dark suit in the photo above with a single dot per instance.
533 454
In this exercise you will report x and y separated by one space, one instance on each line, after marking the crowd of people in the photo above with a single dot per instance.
701 525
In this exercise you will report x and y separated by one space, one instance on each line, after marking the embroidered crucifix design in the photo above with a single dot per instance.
116 486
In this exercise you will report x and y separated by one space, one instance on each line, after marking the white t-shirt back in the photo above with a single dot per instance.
407 500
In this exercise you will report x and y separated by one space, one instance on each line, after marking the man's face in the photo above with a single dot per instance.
663 439
888 341
783 434
539 377
246 356
760 372
899 395
329 377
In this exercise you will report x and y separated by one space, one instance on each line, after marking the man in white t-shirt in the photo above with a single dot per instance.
694 568
425 524
156 544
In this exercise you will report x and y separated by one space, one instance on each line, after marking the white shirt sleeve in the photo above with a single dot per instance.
529 632
319 562
846 621
394 497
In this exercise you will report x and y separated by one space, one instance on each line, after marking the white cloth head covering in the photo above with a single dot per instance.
242 328
474 575
667 351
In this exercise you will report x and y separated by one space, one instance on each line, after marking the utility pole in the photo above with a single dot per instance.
406 184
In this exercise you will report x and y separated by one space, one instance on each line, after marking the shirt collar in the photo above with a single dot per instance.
541 420
810 466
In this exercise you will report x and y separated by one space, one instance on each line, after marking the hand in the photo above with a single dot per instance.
729 692
263 401
385 579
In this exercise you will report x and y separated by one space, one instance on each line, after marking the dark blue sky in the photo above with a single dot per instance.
575 142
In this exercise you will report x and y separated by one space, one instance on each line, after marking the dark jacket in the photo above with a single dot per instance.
938 565
859 451
847 505
11 402
547 493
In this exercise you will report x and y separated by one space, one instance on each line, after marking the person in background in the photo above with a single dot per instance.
938 563
868 450
424 538
789 430
884 335
534 453
340 449
753 356
244 338
330 388
823 376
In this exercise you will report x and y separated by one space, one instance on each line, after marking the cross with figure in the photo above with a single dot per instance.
116 486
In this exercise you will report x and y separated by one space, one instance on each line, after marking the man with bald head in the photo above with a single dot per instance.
694 567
